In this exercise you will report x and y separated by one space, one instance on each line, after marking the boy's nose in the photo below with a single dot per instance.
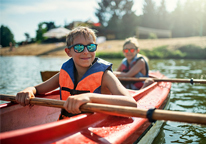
85 50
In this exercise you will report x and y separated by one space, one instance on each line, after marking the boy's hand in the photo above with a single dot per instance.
73 103
23 97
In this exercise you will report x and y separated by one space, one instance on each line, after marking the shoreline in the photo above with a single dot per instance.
110 46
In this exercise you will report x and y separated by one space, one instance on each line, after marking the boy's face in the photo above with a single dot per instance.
130 51
85 58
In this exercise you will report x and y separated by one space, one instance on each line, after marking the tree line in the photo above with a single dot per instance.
188 19
117 17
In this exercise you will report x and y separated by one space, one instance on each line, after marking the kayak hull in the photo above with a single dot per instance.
39 124
15 116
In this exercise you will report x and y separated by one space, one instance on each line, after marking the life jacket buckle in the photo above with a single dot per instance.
74 92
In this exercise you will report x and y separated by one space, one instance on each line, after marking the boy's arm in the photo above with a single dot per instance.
120 95
119 68
118 71
111 82
73 103
139 66
48 85
24 96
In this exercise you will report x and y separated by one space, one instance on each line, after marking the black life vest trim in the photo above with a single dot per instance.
64 113
73 91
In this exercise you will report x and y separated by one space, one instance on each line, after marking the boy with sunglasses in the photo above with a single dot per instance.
133 65
83 78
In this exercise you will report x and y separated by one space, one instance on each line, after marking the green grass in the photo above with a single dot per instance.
193 52
162 52
114 55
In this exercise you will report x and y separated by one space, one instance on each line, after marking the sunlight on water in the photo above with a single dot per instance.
184 97
19 72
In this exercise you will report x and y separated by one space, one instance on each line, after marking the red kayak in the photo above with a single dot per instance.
38 124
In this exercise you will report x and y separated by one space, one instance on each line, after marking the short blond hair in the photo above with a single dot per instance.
132 40
85 31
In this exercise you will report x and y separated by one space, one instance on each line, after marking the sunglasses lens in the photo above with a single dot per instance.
78 48
125 50
132 50
92 47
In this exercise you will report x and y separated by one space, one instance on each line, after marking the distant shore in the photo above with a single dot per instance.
57 49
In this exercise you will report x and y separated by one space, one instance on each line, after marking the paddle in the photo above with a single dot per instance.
121 110
163 80
47 74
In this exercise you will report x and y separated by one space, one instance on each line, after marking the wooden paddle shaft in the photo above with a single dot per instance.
158 114
36 101
48 74
121 110
163 80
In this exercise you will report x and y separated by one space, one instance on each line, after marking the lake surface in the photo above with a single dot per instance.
19 72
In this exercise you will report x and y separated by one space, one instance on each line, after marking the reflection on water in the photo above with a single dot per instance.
20 72
184 97
17 73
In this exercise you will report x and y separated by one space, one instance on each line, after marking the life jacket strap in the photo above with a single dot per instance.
73 91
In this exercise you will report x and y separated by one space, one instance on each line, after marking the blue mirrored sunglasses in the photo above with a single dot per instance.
78 48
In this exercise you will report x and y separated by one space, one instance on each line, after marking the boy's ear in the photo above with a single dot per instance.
138 50
67 52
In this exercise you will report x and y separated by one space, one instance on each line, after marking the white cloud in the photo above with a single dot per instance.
23 17
47 5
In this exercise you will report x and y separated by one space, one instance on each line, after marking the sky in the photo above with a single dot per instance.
23 16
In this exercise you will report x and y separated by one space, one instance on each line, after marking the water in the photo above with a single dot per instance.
184 97
19 72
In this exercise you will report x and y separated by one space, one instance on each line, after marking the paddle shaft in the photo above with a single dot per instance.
48 74
120 110
163 80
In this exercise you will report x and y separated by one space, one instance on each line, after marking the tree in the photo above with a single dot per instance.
50 25
129 21
6 36
27 36
112 15
101 12
189 19
114 25
202 28
149 18
162 17
194 13
39 33
177 21
42 28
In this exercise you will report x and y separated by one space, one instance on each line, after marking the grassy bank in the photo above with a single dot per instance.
190 47
163 52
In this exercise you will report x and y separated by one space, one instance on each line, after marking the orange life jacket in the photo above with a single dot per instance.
125 67
90 82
